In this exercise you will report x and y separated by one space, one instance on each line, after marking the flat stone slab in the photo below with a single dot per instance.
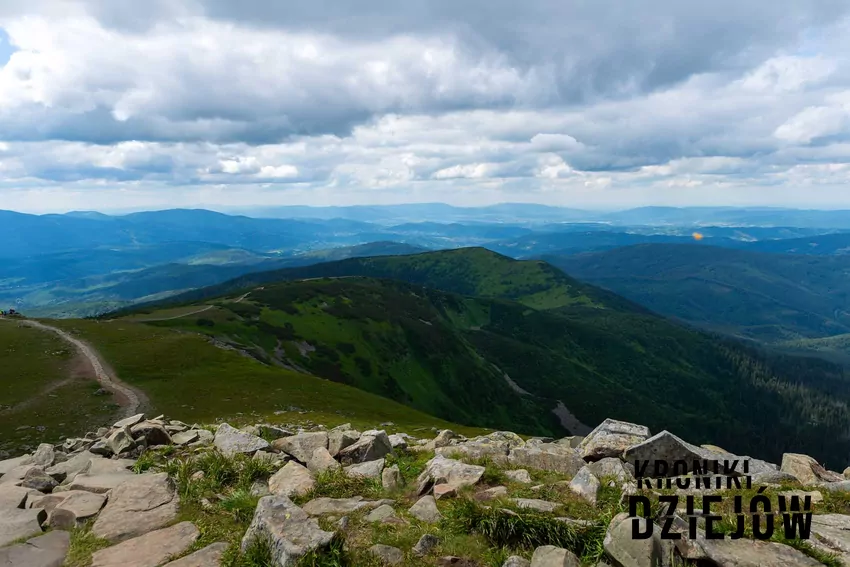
16 523
12 496
322 506
231 441
99 483
210 556
150 550
137 506
48 550
10 464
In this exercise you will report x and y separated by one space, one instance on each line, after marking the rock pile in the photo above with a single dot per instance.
91 480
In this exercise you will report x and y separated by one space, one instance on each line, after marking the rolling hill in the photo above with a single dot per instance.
427 318
767 297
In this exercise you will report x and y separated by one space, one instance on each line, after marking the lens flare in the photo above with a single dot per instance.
697 236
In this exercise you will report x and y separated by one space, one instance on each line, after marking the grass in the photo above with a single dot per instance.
171 367
83 544
44 395
337 484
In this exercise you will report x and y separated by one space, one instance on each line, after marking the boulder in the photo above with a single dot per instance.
398 441
290 531
743 552
535 504
369 469
291 480
337 506
99 483
101 447
209 556
492 493
17 474
391 478
846 473
516 561
12 496
425 545
75 509
519 475
831 534
586 485
185 437
16 523
548 457
443 439
303 445
67 470
572 441
441 470
152 433
494 446
148 550
47 501
380 513
611 438
610 467
551 556
37 479
11 464
367 448
231 441
807 470
629 552
48 550
668 448
138 505
44 455
387 554
339 439
121 441
129 421
444 491
425 510
321 461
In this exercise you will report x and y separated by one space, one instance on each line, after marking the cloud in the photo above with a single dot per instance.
204 99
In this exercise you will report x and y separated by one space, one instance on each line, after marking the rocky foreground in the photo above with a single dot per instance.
154 492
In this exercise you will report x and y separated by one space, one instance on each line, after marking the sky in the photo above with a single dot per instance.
119 104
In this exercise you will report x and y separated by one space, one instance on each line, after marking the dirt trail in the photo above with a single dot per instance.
207 308
128 394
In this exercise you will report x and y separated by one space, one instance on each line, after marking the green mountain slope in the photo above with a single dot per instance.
598 354
769 297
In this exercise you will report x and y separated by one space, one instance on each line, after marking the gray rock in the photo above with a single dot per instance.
610 467
67 470
443 438
44 455
572 441
47 502
292 480
519 475
260 488
744 552
323 506
611 438
12 496
380 513
516 561
367 448
11 464
231 441
629 552
138 505
492 493
303 445
152 433
831 534
586 485
268 431
99 483
129 421
339 439
547 456
16 475
425 510
121 441
441 470
369 469
148 550
494 446
290 531
77 444
391 478
807 470
397 441
16 523
76 508
48 550
100 447
209 556
535 504
185 437
551 556
37 479
425 545
321 461
387 554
